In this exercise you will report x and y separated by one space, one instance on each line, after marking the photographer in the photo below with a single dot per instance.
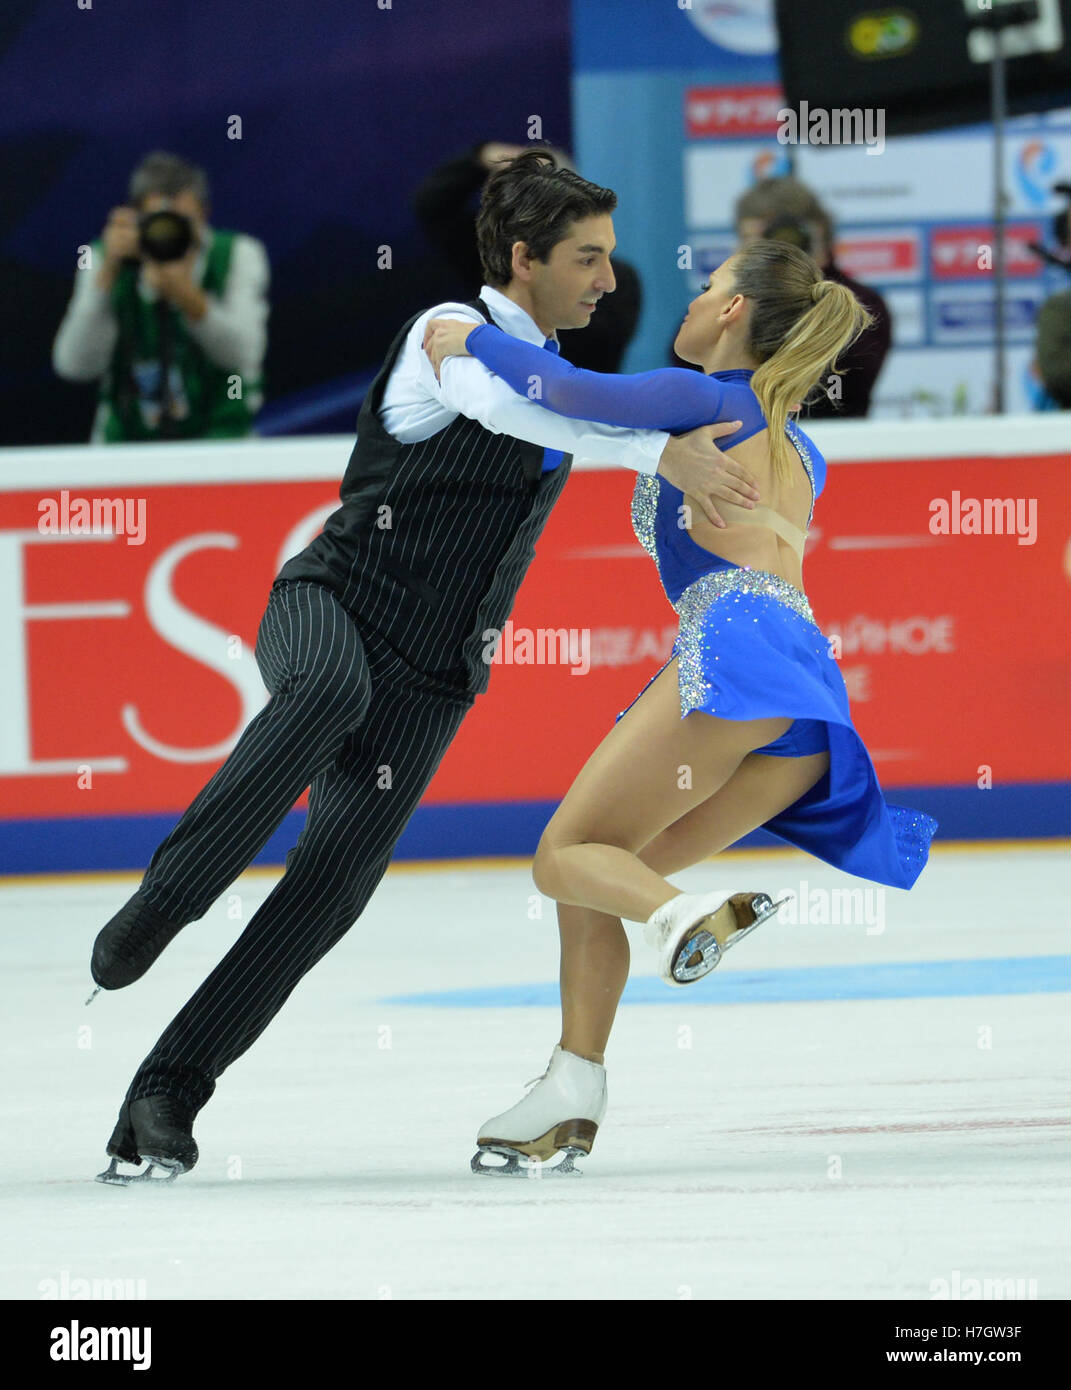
787 210
169 314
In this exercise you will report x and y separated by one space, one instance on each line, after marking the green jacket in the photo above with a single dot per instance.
1053 347
210 402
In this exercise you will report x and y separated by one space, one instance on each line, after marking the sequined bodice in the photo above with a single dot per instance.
656 520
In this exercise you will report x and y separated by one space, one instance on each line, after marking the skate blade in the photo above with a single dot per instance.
705 945
522 1165
171 1167
94 994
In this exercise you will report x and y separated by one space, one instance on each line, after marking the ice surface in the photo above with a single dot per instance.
804 1147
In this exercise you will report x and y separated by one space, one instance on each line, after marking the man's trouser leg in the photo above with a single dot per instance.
313 662
358 808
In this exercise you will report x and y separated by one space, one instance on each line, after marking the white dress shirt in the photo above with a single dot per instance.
415 405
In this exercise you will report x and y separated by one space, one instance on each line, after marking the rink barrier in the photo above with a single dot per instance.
128 654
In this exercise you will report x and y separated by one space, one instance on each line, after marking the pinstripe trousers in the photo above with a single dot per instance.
351 720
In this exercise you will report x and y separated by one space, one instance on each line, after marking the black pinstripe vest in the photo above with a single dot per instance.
432 540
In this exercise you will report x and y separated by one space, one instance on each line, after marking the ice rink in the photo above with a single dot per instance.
870 1109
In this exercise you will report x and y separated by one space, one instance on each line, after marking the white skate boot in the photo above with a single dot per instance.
692 931
559 1117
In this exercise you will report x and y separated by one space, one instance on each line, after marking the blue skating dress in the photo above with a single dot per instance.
748 646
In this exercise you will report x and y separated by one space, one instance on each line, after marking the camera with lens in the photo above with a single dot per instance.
792 230
1060 231
164 235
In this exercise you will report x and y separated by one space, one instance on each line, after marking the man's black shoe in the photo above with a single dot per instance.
156 1129
131 941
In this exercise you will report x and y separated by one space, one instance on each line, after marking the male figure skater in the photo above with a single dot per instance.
372 645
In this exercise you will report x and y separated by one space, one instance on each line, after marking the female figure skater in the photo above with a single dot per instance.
747 724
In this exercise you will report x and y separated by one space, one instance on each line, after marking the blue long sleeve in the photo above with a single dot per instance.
671 398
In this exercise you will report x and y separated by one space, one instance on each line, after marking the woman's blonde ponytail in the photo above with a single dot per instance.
800 323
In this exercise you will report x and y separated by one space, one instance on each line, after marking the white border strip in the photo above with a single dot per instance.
294 458
988 436
300 458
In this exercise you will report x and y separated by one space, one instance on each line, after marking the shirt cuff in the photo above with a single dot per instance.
647 450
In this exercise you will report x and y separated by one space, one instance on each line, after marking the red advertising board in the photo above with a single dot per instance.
958 253
733 110
129 665
888 256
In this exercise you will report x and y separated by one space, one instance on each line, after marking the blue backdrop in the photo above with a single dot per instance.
345 106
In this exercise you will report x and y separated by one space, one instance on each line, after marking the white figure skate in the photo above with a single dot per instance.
692 931
559 1117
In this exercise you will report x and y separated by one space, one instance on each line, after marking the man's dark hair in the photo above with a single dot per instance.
168 174
531 200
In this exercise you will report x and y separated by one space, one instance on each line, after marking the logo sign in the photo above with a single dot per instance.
724 112
771 164
963 253
891 255
968 315
1035 168
709 253
882 34
741 26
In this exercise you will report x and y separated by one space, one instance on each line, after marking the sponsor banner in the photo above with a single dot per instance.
708 252
939 176
677 111
716 174
967 313
963 253
887 254
915 178
128 648
907 309
729 112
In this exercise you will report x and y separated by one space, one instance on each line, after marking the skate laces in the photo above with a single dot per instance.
141 932
537 1079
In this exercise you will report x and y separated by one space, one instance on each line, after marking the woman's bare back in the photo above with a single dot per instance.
748 543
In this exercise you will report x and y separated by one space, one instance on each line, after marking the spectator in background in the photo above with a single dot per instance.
1052 347
177 344
445 206
787 210
1053 350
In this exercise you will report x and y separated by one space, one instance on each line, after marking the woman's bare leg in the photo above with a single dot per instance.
594 946
594 969
652 768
